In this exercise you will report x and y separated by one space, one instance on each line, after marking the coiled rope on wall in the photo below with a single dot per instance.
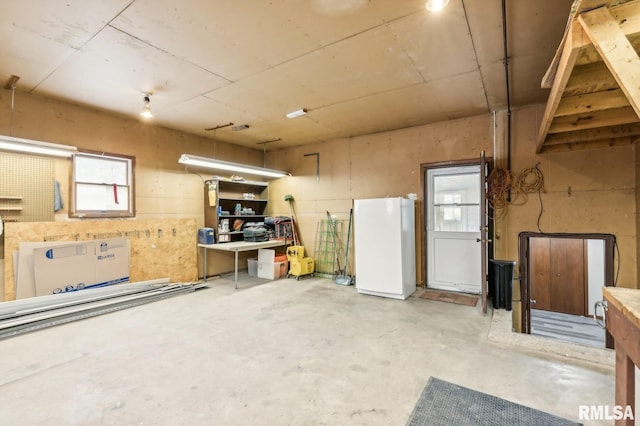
500 182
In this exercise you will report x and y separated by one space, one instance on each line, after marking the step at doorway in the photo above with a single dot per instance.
567 328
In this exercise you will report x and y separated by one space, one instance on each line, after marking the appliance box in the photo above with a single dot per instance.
80 265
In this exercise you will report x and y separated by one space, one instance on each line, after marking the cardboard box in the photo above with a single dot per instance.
23 267
80 265
268 268
272 271
112 261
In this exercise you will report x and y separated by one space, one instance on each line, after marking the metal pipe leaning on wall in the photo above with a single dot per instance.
29 315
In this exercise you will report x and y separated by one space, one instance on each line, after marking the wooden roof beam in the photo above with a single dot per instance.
624 11
594 119
575 146
567 61
626 16
616 51
589 135
590 102
590 78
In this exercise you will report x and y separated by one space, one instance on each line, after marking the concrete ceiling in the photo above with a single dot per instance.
357 66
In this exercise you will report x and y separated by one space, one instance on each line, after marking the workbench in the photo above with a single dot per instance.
623 323
236 247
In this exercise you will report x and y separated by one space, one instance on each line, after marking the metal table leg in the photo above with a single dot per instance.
204 265
236 252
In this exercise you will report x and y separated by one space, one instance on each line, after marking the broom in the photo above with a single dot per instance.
289 199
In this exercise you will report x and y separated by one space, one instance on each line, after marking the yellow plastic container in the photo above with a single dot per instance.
298 264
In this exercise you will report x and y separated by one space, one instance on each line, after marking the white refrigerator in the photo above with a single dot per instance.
384 240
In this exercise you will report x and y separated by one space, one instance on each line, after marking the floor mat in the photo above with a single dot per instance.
444 404
450 297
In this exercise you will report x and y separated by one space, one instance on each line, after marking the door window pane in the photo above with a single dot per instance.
456 203
457 219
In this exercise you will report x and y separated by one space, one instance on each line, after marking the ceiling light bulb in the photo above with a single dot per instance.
436 5
146 109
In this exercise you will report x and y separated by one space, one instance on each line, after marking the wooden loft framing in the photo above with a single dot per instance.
594 79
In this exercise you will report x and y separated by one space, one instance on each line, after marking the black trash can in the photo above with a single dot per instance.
501 283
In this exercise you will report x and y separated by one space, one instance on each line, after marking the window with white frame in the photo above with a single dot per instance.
102 186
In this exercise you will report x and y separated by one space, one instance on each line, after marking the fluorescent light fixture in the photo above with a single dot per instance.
212 163
8 143
146 109
297 113
240 127
436 5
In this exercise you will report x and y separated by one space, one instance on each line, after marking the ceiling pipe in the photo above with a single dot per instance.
11 85
506 77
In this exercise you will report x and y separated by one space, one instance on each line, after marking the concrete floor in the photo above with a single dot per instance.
288 352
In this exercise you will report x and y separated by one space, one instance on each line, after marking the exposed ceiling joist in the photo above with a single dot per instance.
577 146
590 135
579 104
595 95
567 61
616 51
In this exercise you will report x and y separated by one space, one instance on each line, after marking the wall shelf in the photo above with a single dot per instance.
241 216
10 203
230 233
226 194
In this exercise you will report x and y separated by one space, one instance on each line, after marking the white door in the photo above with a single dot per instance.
454 255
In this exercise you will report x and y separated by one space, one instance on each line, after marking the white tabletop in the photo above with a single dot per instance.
243 245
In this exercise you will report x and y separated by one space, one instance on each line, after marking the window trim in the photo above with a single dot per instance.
130 186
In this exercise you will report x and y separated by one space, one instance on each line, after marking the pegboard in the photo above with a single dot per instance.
26 188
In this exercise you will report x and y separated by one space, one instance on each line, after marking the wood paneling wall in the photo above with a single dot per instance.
585 191
590 191
160 248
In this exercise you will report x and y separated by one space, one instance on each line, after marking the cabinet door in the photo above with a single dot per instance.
540 273
558 275
567 275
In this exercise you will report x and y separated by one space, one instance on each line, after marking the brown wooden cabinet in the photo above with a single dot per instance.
558 275
554 276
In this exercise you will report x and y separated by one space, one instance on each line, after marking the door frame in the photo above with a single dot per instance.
524 269
424 167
